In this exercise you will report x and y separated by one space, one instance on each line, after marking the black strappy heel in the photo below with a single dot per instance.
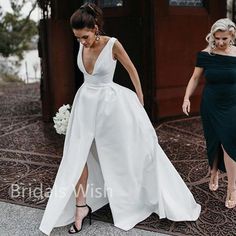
89 215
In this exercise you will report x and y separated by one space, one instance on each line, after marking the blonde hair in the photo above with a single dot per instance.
222 25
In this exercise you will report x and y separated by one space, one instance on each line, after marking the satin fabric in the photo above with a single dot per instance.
110 130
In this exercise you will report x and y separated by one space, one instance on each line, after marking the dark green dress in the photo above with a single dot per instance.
218 105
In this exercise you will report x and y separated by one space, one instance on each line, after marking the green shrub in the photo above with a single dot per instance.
10 78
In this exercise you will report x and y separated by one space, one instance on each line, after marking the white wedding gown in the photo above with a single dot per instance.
110 130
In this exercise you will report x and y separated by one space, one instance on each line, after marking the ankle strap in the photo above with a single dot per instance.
82 205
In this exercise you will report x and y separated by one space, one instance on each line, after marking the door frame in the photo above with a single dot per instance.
144 10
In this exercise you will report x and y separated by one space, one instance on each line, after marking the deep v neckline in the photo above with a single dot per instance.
94 66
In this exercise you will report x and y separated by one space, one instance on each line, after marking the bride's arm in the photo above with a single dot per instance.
120 54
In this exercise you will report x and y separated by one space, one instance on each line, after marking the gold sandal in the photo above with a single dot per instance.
213 184
229 203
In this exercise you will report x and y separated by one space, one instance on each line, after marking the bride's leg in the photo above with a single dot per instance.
81 187
230 165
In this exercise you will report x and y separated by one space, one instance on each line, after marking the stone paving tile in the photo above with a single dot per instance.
35 137
11 224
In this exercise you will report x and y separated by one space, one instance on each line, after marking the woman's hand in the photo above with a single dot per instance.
192 84
186 107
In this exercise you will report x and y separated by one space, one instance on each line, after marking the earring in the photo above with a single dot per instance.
97 36
213 46
231 43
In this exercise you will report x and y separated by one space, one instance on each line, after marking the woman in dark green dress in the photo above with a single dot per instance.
218 106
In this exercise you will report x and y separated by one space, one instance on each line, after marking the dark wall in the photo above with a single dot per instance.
179 34
161 40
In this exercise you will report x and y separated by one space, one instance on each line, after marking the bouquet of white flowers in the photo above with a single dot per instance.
61 119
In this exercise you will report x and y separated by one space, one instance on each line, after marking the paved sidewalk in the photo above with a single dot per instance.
18 220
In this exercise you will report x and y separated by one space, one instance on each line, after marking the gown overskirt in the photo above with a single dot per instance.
110 130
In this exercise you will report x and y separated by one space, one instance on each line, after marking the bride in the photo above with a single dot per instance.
111 152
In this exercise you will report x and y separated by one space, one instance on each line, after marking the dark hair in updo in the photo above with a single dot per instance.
87 16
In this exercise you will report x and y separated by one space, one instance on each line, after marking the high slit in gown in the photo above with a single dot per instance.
110 130
218 106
